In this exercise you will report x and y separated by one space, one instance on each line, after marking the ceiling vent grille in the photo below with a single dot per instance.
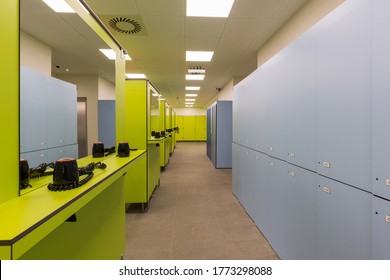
124 25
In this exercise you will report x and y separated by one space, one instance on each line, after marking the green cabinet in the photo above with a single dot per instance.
141 105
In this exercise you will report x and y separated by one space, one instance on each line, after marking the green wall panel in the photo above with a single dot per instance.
9 106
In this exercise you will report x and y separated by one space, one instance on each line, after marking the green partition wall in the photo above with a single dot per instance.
9 106
191 128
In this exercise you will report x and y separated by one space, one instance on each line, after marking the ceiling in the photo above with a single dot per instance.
158 49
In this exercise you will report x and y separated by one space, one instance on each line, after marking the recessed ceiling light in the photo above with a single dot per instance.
195 77
109 53
190 99
162 99
199 56
127 57
189 103
59 6
191 94
192 88
207 8
135 76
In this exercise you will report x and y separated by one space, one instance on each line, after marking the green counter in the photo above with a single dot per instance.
83 223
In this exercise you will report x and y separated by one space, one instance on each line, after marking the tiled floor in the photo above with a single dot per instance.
194 215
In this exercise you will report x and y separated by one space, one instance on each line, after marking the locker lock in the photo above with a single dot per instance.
388 182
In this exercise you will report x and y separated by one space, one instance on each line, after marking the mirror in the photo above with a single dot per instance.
60 61
154 111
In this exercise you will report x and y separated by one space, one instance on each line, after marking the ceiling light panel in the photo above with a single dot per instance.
204 56
192 88
194 77
135 76
190 99
109 53
191 94
207 8
59 6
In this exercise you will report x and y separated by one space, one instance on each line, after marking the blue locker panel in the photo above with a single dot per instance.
301 102
238 118
276 94
208 131
223 134
35 158
343 221
213 133
241 180
259 111
235 168
245 104
72 151
261 194
54 154
301 213
380 229
248 173
344 95
106 122
70 115
33 103
381 99
276 193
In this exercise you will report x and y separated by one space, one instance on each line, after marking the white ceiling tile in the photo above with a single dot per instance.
244 28
114 7
165 26
205 27
194 44
255 9
162 7
289 8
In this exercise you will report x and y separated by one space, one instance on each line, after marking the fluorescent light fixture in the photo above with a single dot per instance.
205 56
109 53
135 76
209 8
189 103
191 94
155 94
194 77
192 88
162 99
59 6
127 57
190 99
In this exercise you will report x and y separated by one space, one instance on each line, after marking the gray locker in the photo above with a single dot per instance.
248 171
381 99
301 102
301 213
261 195
343 220
344 95
276 118
276 193
237 108
380 228
107 122
259 111
235 168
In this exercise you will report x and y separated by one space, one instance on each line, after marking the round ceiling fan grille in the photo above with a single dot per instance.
125 25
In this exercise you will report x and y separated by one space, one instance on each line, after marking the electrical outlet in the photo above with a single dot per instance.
326 189
326 164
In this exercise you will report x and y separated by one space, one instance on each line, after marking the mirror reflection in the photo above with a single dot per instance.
63 75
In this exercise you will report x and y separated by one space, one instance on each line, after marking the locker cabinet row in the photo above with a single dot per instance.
308 216
321 102
191 128
48 112
50 155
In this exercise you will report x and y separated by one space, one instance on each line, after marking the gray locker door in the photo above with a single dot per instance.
235 168
261 196
276 118
344 95
344 221
381 99
259 111
223 134
277 205
301 213
301 99
107 122
249 173
380 229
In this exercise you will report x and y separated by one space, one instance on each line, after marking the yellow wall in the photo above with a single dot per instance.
191 128
9 105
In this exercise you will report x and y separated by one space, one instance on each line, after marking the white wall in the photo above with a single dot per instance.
34 54
106 89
